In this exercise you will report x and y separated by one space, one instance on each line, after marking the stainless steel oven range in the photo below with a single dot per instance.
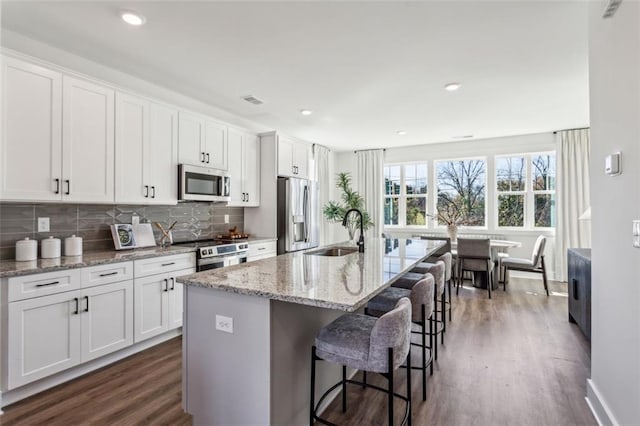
212 254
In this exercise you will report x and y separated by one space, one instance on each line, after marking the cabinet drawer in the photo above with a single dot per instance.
259 249
159 265
106 274
28 286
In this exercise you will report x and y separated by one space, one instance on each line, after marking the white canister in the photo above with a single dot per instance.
26 250
73 246
50 248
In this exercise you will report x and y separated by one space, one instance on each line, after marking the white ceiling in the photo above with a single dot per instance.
366 69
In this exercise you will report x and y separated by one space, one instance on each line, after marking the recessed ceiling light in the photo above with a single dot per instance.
306 112
452 87
462 137
132 18
401 132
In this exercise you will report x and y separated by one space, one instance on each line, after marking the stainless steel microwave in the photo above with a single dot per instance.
202 184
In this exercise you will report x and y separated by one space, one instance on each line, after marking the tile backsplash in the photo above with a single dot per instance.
91 222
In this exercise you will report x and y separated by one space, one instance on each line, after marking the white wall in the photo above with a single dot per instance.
614 66
346 161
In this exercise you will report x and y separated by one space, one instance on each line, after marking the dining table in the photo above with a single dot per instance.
499 250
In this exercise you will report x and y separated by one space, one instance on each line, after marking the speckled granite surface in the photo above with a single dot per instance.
11 268
344 283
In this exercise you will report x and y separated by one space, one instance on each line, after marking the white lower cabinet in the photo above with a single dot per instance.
43 337
52 333
158 300
107 319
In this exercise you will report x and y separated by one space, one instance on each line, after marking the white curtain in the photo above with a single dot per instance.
322 176
572 193
370 185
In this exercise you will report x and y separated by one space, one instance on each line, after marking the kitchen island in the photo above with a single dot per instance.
249 328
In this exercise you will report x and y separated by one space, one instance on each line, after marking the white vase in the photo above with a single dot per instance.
452 230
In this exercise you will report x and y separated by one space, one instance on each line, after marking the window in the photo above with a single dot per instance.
405 199
461 188
524 205
543 177
511 176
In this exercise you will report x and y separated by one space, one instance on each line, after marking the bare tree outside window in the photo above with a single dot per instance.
544 189
461 192
511 175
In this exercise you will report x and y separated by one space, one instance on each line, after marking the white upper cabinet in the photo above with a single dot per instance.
88 141
58 136
146 151
244 168
293 158
31 140
202 142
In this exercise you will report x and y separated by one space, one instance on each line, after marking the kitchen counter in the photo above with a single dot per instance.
12 268
249 328
344 283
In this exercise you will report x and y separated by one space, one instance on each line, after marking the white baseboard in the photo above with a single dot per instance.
15 395
598 407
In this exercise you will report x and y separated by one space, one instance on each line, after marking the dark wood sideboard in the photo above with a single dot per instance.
579 279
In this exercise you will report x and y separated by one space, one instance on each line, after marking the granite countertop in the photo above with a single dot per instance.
11 268
343 282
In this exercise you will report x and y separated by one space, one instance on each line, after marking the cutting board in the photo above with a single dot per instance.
144 235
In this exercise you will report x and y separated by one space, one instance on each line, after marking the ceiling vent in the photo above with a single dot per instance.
252 100
610 8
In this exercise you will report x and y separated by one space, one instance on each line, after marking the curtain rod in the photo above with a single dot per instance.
314 146
373 149
564 130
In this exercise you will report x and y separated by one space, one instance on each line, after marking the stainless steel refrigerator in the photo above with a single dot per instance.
297 214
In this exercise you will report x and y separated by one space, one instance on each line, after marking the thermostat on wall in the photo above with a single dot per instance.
612 164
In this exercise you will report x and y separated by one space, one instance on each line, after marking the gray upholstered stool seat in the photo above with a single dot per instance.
422 303
436 269
378 345
407 280
346 341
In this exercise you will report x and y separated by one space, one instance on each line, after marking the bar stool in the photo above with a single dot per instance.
438 270
445 253
379 345
422 308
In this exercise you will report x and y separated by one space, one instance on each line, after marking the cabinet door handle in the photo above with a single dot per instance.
68 182
207 158
47 284
173 283
203 157
57 191
146 191
244 196
261 248
575 288
153 192
247 197
166 285
86 309
169 264
109 273
75 299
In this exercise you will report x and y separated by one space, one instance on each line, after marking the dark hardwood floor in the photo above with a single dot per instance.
511 360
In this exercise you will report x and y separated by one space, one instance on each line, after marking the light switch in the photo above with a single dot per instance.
612 164
636 233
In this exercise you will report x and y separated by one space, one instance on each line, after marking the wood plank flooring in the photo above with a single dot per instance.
511 360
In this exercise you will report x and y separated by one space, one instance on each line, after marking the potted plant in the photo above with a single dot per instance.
335 211
450 215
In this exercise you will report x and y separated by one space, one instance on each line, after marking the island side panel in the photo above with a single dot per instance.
293 331
226 376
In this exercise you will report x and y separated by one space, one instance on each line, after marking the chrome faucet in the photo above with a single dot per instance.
361 239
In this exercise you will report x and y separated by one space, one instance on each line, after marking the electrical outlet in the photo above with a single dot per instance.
224 324
226 218
43 224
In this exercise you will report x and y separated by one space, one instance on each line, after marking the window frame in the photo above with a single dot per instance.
434 212
529 192
403 197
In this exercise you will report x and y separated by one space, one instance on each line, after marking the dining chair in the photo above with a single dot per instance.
535 264
474 255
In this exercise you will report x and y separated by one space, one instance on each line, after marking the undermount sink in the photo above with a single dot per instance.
333 251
